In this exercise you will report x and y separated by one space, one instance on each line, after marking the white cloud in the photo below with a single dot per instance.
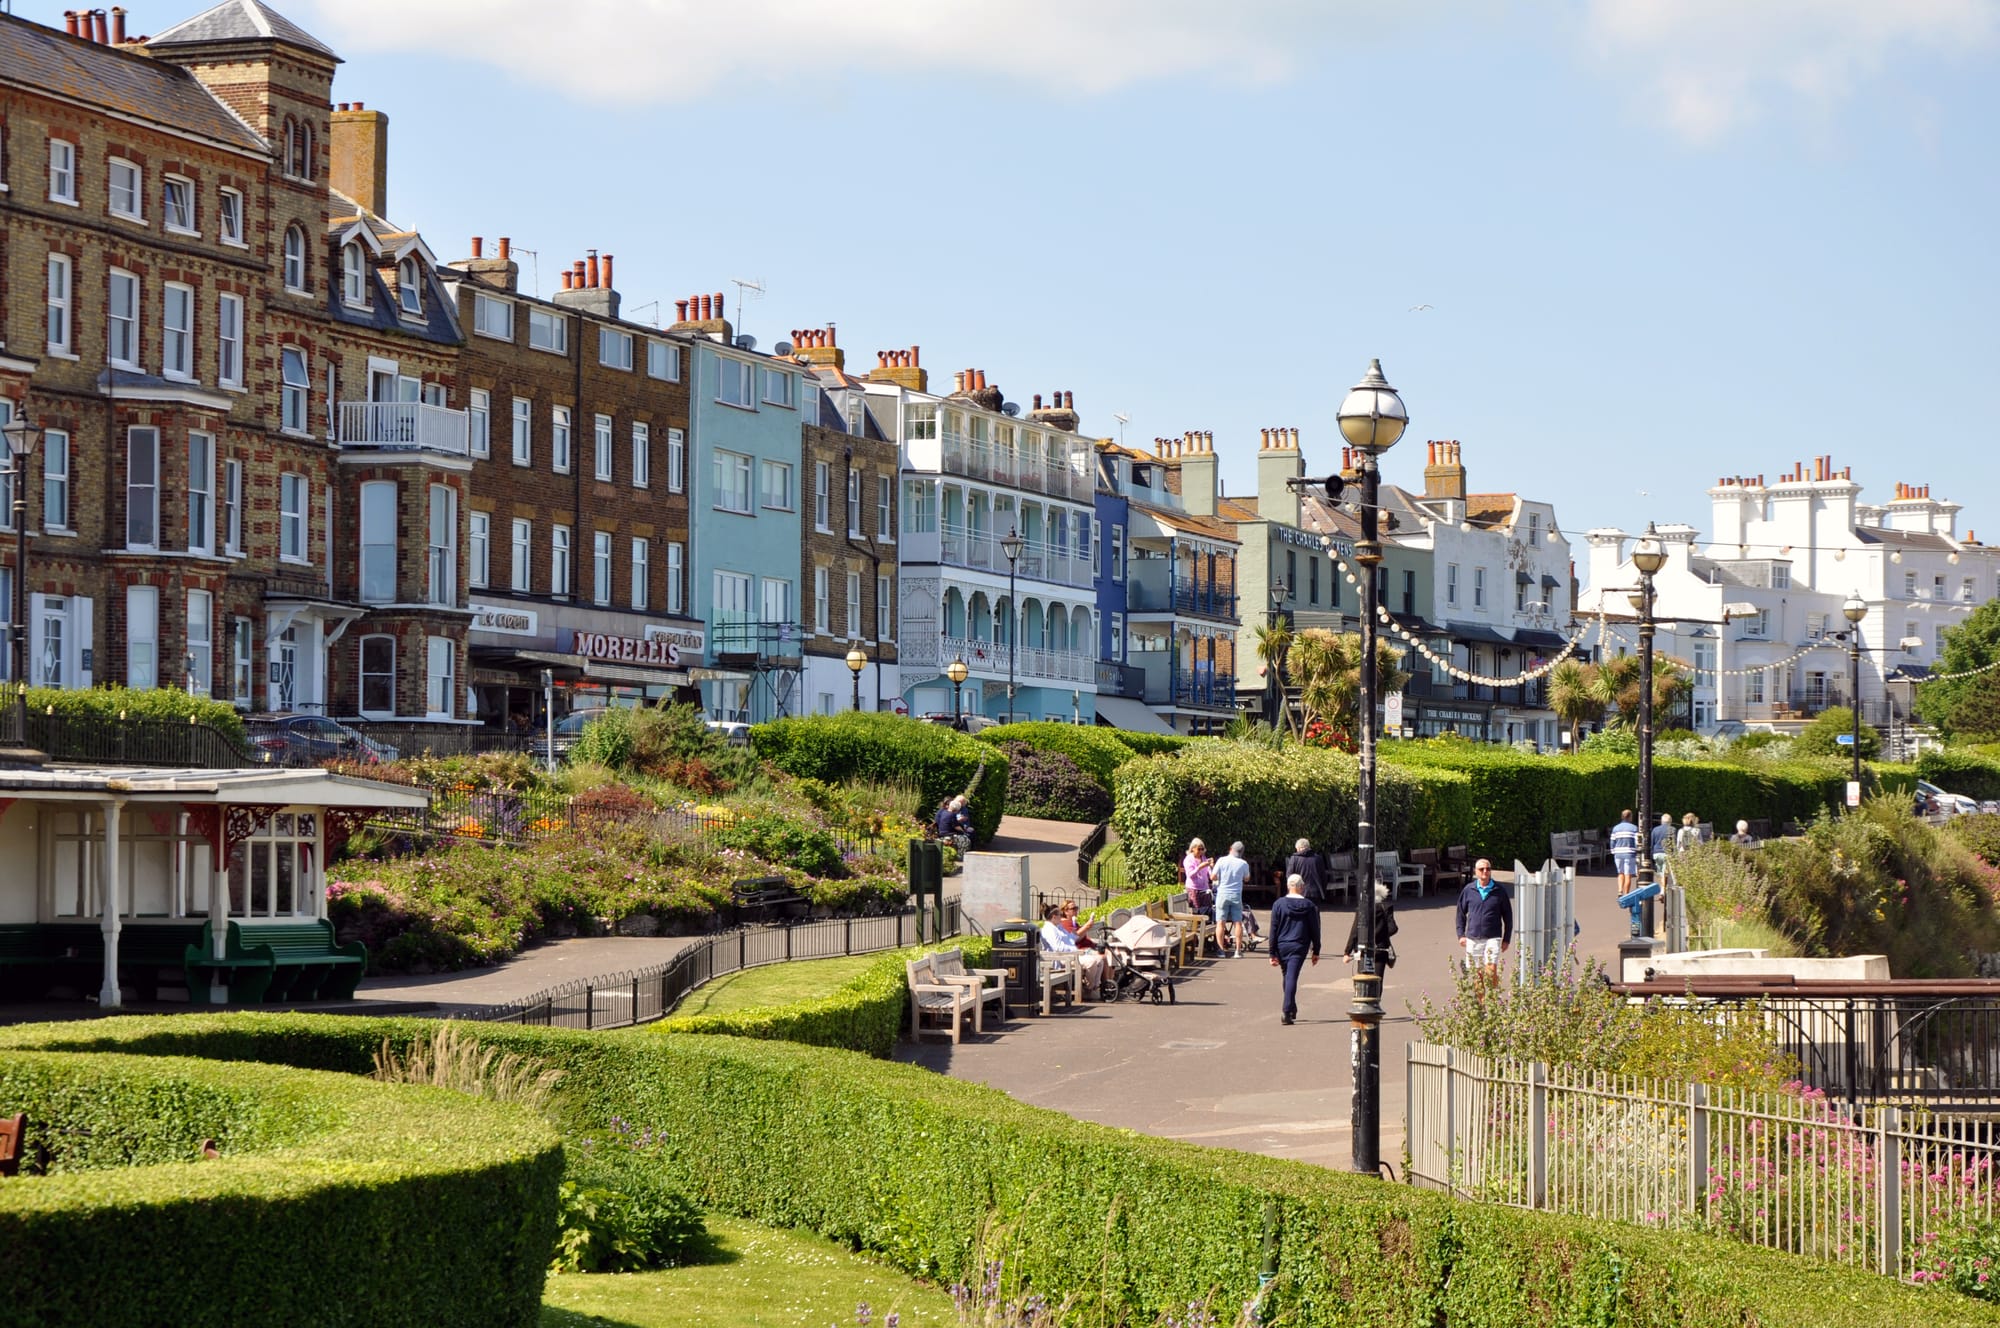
655 51
1705 67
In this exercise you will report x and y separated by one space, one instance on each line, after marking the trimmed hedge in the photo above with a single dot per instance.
941 761
1048 786
106 703
1957 770
1098 752
335 1201
936 1174
863 1014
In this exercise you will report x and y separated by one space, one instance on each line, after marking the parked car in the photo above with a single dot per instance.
293 739
568 728
963 723
1940 803
730 731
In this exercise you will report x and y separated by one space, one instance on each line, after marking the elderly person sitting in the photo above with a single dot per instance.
1743 836
1065 945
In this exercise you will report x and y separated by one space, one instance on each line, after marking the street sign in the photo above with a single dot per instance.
1844 739
1392 711
1854 793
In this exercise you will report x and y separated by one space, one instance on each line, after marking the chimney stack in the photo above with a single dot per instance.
704 315
1200 475
903 368
358 141
1444 472
1281 460
1058 414
499 273
589 288
820 347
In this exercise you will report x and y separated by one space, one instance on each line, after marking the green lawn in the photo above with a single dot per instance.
775 984
760 1276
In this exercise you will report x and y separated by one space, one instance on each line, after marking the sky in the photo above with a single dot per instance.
1616 248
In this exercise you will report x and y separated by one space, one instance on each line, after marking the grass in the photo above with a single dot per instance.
758 1276
775 984
1748 934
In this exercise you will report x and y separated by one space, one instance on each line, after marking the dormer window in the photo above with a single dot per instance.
409 287
353 274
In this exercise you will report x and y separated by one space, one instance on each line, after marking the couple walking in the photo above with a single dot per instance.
1219 884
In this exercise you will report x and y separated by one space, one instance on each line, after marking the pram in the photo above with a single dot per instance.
1139 951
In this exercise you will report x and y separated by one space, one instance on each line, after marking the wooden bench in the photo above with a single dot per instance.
1185 929
988 985
935 998
12 1130
765 897
1566 850
278 961
1059 975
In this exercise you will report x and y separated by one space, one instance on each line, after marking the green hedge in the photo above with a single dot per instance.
1959 770
335 1201
941 761
1098 752
1151 744
106 703
863 1014
936 1173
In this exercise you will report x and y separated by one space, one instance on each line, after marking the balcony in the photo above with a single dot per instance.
1115 679
956 546
989 658
403 426
1215 691
978 459
1195 601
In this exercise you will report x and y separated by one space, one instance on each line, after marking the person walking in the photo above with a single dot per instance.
1310 868
1625 850
1231 874
1690 833
1294 939
1663 837
1385 932
1485 922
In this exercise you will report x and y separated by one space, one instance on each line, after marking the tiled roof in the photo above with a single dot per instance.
241 20
1909 539
45 60
1237 509
1207 527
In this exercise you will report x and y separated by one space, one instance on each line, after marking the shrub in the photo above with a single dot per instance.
161 703
1822 736
1049 785
1098 752
1979 833
856 744
935 1173
1959 770
1150 744
785 840
618 1212
333 1200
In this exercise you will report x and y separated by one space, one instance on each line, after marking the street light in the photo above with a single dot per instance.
856 661
22 439
1371 419
1854 611
1648 557
1272 695
1011 545
956 671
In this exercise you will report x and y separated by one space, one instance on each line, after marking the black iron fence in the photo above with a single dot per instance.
641 996
124 740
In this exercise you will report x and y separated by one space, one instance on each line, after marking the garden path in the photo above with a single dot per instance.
534 970
1218 1068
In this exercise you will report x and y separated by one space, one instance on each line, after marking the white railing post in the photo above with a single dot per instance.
1697 1144
1538 1135
1889 1183
1450 1121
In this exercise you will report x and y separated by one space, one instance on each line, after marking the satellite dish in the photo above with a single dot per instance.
782 348
1010 409
746 342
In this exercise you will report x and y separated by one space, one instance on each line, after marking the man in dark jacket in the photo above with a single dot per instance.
1294 939
1485 922
1309 867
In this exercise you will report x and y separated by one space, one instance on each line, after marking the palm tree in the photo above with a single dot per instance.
1274 642
1573 696
1328 670
1614 681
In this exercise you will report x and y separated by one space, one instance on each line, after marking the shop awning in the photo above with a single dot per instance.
1122 712
1479 632
1537 639
571 668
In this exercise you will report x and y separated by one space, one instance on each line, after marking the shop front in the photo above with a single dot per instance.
525 656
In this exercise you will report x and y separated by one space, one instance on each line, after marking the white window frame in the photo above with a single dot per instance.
600 567
492 317
353 275
229 217
884 598
294 394
62 171
142 487
295 264
229 340
135 191
778 388
663 361
142 637
885 510
822 496
601 443
676 460
441 545
200 671
189 225
639 590
854 632
55 481
177 338
1451 584
736 383
440 677
232 506
409 288
723 595
201 494
376 675
61 296
853 503
121 334
548 332
560 439
676 577
1117 554
376 525
479 420
774 486
478 548
522 435
1479 587
294 532
521 555
642 455
776 600
730 478
822 601
242 678
559 552
614 349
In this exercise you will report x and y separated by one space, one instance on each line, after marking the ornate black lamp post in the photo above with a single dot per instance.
1273 688
1854 611
1011 545
23 437
1648 557
856 661
956 671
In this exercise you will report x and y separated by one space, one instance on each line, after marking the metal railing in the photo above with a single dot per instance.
403 426
1040 560
1869 1187
1215 690
989 658
643 995
133 740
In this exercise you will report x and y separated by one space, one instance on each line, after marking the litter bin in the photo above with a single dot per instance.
1017 948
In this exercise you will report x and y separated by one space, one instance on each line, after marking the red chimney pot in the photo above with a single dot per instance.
117 25
101 32
565 278
359 107
478 247
592 270
506 246
718 305
680 311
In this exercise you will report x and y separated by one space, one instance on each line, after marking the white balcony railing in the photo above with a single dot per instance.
988 659
403 426
1039 560
979 459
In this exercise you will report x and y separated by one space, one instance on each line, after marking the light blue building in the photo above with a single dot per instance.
744 415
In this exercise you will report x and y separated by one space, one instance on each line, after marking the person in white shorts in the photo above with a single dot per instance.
1485 921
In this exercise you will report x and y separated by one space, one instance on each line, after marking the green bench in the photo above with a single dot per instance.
277 961
74 951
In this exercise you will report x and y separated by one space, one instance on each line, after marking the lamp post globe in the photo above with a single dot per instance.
1011 544
857 660
1854 611
956 671
1371 418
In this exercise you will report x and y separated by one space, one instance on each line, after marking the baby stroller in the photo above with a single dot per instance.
1138 950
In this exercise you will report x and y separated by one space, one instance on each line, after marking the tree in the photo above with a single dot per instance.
1274 642
1573 697
1975 713
1615 685
1327 669
1973 644
1822 736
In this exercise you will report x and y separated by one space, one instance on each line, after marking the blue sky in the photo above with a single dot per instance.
1662 240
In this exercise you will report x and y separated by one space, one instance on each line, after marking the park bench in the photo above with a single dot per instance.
278 961
1060 975
1392 871
1341 874
1566 849
1195 929
12 1130
988 985
762 898
933 998
147 953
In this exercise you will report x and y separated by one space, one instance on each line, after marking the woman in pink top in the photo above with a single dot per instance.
1196 869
